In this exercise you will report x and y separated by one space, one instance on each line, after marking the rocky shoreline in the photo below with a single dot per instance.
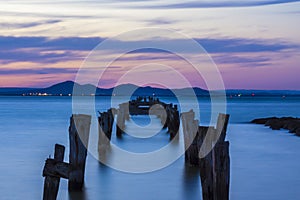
290 123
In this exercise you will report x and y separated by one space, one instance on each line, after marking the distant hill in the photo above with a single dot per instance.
66 88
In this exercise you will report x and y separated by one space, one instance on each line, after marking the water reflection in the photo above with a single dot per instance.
176 181
78 195
191 182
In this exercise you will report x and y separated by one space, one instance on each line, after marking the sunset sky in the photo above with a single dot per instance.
254 43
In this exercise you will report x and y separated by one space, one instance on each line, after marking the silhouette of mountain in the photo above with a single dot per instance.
72 88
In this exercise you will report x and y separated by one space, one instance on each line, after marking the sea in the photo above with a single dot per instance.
264 164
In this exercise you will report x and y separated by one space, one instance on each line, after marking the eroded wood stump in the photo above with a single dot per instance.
79 137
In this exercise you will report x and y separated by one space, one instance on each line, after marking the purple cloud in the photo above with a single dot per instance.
216 4
43 49
38 71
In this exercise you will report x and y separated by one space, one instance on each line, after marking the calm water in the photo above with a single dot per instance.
264 163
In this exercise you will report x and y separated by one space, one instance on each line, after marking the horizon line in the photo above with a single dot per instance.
143 86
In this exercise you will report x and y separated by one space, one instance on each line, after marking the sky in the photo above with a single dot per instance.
255 44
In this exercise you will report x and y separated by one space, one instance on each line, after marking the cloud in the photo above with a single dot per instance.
43 49
63 43
46 50
220 45
37 71
27 25
216 4
88 43
234 45
52 15
36 56
176 4
242 61
160 21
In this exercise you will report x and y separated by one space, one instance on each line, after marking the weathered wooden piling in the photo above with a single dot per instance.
123 114
221 127
216 164
125 110
206 177
221 171
167 108
206 148
160 111
190 129
105 126
172 120
51 173
79 137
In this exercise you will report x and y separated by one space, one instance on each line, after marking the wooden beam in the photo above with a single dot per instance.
51 183
56 168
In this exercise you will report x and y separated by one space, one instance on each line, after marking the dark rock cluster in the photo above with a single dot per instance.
290 123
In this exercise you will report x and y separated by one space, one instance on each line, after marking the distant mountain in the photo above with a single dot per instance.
66 88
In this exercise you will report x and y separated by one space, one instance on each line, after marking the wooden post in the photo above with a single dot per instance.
174 122
221 172
106 120
215 166
205 163
79 136
126 111
51 183
162 114
190 129
222 126
206 176
122 115
167 108
111 116
221 160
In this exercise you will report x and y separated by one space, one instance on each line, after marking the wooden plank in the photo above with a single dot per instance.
79 136
51 183
56 168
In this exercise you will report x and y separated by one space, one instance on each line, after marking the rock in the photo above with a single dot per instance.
290 123
275 124
262 120
293 126
298 132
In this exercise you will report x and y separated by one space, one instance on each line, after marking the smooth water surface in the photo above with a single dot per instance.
264 163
